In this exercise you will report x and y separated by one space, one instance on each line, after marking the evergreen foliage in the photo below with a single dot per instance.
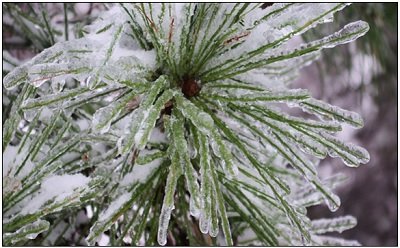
173 123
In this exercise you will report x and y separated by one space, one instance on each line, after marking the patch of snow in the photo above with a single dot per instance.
104 240
83 124
81 8
55 187
89 211
158 136
140 172
115 205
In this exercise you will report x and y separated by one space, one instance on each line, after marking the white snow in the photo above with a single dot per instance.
140 172
9 156
89 211
104 240
81 8
57 187
115 205
83 124
11 159
157 136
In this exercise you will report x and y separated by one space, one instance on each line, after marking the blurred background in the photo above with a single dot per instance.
360 76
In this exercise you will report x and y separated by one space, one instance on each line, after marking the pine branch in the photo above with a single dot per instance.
154 92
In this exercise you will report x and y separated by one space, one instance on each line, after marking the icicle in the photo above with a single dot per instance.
352 155
338 224
194 208
348 33
205 215
213 226
331 200
189 172
214 229
175 172
204 223
163 225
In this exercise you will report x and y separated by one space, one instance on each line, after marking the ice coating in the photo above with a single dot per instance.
165 216
354 155
140 123
237 78
326 110
30 231
338 224
331 199
190 173
168 202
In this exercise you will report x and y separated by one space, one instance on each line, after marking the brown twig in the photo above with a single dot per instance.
236 38
171 26
153 26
